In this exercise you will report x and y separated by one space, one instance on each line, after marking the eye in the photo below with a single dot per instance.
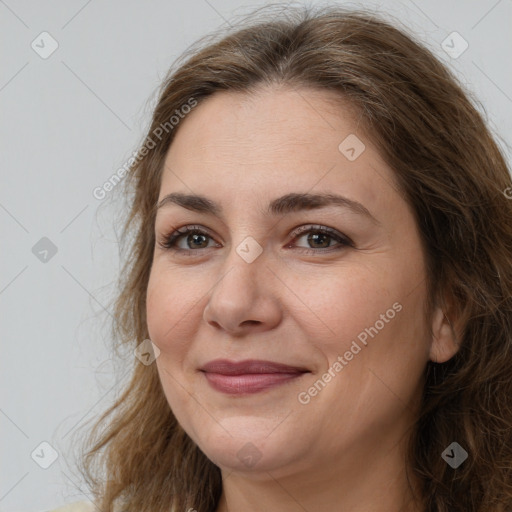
195 239
320 237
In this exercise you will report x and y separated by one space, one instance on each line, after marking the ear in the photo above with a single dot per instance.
446 336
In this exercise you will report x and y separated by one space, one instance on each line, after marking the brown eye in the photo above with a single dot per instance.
194 237
321 237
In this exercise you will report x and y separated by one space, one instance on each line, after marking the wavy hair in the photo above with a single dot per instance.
450 170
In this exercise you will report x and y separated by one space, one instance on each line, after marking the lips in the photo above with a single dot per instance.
226 367
250 376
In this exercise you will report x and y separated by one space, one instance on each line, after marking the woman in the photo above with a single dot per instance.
319 285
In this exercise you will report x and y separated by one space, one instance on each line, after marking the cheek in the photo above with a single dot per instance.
171 309
168 310
374 320
342 304
384 354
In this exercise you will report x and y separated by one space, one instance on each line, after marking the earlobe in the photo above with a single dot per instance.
445 340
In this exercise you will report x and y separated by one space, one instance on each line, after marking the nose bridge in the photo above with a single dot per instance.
248 255
243 293
249 250
248 237
246 261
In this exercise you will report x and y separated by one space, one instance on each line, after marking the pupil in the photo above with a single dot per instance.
195 238
314 237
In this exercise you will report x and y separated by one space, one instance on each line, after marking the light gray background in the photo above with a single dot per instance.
68 123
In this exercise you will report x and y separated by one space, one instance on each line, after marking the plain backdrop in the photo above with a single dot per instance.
69 119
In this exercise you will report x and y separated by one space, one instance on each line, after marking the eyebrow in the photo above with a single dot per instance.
288 203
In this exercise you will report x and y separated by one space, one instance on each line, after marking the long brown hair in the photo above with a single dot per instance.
454 176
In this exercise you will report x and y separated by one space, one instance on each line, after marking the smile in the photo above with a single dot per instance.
247 377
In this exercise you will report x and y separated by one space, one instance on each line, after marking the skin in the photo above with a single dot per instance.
344 449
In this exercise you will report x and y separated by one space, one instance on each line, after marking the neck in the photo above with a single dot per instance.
373 477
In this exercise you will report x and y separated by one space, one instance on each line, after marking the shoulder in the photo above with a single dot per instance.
76 506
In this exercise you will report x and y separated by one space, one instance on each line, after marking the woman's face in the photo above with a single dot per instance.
320 301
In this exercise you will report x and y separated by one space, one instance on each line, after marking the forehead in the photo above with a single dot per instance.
266 122
273 141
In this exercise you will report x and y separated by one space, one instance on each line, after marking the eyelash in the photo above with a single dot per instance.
168 242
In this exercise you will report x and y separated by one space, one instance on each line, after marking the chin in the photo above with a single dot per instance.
248 444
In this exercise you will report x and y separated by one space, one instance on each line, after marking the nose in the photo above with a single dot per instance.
245 297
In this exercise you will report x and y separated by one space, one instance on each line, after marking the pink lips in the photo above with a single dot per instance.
251 376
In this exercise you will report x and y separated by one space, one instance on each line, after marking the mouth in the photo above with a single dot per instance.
250 376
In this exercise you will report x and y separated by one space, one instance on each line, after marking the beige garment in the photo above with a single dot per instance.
76 506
